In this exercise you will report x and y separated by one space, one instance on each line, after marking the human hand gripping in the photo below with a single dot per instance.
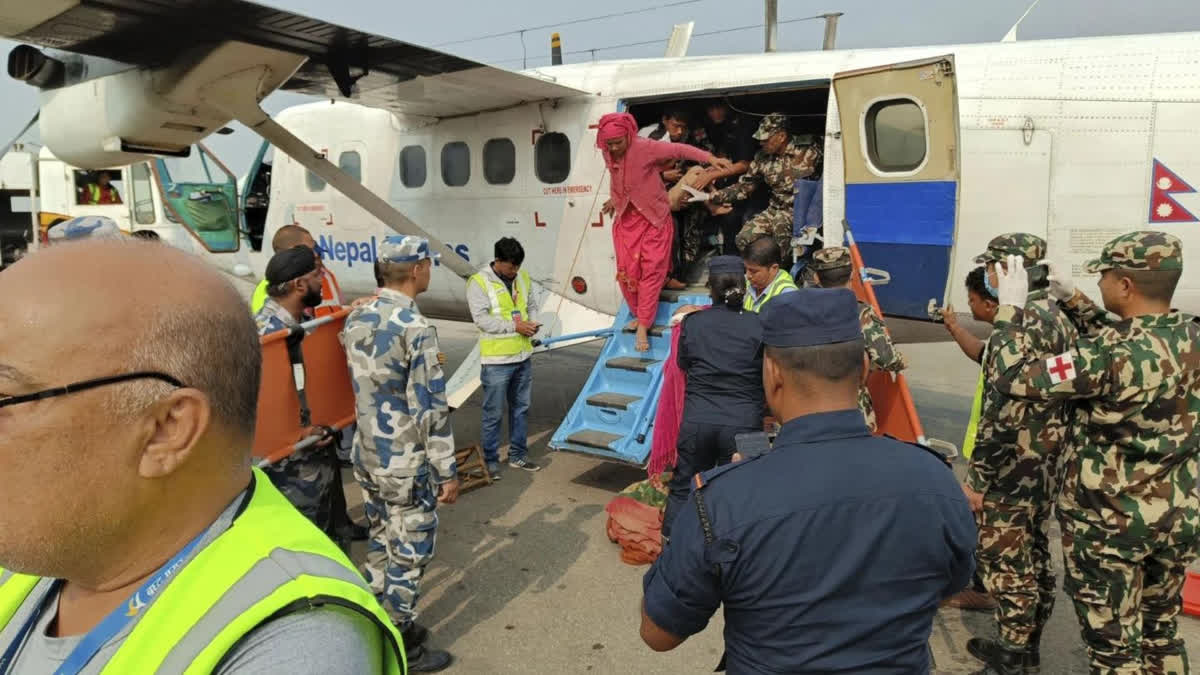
1061 285
719 163
697 195
448 492
1012 285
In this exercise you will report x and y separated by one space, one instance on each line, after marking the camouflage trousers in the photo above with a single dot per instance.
1016 567
1126 595
306 480
691 233
402 518
775 222
867 406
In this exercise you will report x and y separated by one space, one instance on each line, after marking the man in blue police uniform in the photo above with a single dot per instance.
832 551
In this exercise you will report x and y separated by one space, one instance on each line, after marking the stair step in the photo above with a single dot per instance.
638 365
655 331
612 400
594 439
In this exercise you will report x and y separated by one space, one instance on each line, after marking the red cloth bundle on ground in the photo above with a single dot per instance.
635 522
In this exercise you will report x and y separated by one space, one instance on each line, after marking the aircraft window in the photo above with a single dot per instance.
552 157
143 195
896 135
412 166
499 161
456 164
98 187
314 182
351 162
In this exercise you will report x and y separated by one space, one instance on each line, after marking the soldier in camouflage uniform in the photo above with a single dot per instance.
404 447
782 161
1012 475
1128 506
834 270
305 477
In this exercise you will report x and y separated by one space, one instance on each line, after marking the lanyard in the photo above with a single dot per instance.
107 629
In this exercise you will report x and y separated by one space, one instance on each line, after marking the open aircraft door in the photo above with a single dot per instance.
900 143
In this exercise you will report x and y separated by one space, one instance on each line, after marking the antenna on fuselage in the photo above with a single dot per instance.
555 50
1011 35
831 19
681 37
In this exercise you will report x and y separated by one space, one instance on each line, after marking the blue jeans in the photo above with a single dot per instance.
511 383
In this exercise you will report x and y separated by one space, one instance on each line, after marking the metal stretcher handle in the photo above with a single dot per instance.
875 276
603 332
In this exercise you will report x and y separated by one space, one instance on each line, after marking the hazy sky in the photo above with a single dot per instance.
866 23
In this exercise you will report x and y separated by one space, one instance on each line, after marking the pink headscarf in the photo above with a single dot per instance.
615 125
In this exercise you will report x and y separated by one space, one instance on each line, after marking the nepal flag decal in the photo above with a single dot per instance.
1163 207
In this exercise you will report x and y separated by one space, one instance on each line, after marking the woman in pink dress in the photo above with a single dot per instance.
643 229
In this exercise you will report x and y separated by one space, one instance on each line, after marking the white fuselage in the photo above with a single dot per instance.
1059 138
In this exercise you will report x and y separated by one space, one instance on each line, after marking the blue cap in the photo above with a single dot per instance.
726 264
405 248
811 317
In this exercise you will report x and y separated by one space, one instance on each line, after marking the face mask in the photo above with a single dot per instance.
987 282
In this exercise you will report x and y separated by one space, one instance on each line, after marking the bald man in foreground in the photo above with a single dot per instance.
135 537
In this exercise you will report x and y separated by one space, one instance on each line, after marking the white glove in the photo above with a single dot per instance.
697 195
1061 285
1012 286
808 236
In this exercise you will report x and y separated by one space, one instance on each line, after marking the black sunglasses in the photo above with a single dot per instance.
88 384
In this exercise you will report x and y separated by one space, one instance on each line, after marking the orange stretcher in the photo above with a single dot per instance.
895 413
314 391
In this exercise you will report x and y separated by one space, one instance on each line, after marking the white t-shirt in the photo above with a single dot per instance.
645 132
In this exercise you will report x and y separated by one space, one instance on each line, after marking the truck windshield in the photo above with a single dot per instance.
201 194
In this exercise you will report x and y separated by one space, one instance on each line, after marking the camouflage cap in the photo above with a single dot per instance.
830 258
769 125
405 249
1152 251
1030 247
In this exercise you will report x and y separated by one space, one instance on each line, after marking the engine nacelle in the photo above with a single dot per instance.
120 119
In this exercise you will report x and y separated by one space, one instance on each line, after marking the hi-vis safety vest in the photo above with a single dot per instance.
272 561
782 281
501 345
96 195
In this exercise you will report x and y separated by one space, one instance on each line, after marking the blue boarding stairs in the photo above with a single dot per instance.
613 416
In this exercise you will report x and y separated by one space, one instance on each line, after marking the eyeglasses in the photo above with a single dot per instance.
88 384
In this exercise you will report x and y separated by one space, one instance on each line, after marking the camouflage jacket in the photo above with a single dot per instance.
1019 442
880 349
883 356
779 173
399 390
272 317
1136 443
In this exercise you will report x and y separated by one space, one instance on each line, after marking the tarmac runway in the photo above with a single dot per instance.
525 579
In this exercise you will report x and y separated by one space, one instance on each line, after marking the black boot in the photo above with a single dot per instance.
422 660
415 635
1033 656
999 660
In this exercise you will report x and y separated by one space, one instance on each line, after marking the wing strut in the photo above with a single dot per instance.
237 95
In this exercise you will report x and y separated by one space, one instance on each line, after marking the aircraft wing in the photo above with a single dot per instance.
341 63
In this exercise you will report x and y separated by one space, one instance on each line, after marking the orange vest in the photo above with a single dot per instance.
331 294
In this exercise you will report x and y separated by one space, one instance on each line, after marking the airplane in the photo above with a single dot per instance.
929 151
